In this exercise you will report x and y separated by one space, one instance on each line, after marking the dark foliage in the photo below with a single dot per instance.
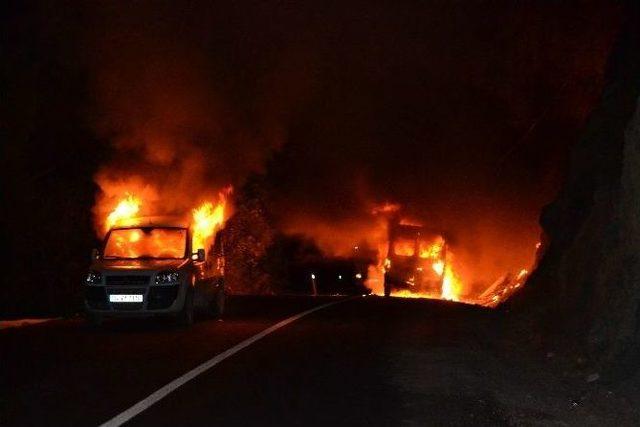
259 258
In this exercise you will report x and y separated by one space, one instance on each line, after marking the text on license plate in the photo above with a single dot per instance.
125 298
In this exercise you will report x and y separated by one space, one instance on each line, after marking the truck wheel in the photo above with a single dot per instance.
185 317
218 303
94 320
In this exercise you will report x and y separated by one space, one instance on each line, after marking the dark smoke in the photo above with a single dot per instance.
185 118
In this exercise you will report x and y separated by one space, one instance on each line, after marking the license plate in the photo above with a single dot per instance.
125 298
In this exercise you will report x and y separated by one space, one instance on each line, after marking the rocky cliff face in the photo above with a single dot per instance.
587 285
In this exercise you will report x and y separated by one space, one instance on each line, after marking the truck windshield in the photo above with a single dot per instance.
404 247
432 248
146 243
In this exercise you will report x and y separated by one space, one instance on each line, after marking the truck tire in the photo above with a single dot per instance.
185 317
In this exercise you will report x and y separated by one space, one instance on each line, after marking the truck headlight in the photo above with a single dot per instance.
93 278
167 278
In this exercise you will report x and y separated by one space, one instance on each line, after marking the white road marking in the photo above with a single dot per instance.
161 393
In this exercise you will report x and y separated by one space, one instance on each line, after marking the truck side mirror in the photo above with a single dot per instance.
95 254
200 255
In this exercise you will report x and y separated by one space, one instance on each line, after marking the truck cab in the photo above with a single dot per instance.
149 268
416 260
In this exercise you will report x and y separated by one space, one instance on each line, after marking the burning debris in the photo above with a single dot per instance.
503 288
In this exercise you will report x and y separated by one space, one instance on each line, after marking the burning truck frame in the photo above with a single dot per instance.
416 259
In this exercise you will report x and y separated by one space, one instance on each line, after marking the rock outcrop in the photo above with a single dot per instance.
587 284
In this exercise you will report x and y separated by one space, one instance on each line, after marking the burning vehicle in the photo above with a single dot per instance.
155 267
416 260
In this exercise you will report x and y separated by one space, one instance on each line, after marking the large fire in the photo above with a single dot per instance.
205 220
451 285
440 256
441 260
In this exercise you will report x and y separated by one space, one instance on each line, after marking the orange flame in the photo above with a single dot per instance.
207 219
404 247
438 267
432 251
126 209
451 285
457 281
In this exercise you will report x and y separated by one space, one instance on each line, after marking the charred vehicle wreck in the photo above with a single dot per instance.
416 259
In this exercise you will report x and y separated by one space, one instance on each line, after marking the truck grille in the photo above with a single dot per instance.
126 306
127 280
162 297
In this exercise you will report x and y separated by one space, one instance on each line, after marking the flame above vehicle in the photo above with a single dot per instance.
207 219
204 220
127 208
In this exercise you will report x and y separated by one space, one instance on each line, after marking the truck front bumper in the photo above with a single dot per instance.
153 300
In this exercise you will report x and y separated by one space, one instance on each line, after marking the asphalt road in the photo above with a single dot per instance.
366 361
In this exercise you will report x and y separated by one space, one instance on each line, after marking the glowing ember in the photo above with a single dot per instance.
405 293
126 209
503 288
